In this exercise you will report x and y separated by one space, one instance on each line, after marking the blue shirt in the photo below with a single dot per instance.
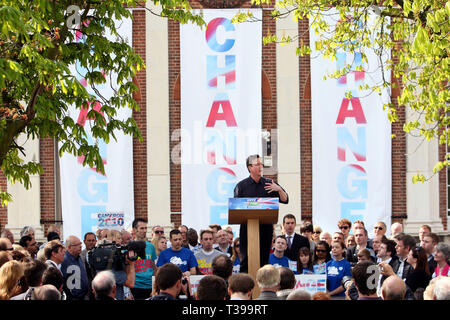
143 268
183 258
282 262
336 270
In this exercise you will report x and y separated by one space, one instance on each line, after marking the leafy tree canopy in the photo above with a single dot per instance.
37 47
416 32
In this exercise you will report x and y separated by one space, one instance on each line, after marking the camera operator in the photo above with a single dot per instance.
122 267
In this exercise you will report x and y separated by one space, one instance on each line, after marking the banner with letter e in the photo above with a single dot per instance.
220 111
351 137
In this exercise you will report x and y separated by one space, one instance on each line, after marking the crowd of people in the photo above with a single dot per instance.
156 266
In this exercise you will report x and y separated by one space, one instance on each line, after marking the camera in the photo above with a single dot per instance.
346 282
112 256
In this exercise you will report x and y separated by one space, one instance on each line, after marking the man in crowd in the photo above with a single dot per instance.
338 236
54 252
294 240
222 267
428 243
104 286
278 258
424 229
178 255
183 229
268 279
258 186
169 279
240 286
367 290
378 230
387 253
144 268
206 254
361 243
76 281
157 231
394 288
396 228
6 233
29 244
212 287
287 282
223 243
404 244
90 240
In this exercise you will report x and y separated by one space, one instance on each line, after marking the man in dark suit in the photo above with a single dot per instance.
258 186
387 253
90 240
405 243
294 240
428 243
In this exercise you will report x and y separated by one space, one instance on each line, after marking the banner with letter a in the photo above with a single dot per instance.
351 138
220 112
91 200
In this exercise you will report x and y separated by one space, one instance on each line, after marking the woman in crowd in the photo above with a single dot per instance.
160 244
321 257
304 261
114 236
316 234
442 255
236 258
11 277
337 268
420 277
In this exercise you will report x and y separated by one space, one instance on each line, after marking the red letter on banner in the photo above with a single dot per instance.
357 111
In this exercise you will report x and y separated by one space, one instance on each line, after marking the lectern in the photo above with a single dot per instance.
253 211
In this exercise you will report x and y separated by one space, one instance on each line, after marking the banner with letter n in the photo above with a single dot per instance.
91 200
220 111
351 135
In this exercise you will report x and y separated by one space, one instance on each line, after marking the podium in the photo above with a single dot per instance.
253 212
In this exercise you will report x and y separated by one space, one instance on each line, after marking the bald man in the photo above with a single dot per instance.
393 288
396 228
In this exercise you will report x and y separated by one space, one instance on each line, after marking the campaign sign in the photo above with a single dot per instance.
253 203
311 282
110 220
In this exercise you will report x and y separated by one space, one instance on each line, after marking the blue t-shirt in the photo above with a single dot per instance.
143 268
237 265
282 262
336 270
184 258
320 268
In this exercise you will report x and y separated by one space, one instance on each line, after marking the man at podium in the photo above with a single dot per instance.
258 186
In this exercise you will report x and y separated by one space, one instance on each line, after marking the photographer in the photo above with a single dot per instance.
108 255
170 282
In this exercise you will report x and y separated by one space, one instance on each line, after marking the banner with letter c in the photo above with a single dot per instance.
220 112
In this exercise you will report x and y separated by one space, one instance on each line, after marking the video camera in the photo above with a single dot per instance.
112 256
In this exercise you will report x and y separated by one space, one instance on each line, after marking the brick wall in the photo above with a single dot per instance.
3 210
140 148
47 180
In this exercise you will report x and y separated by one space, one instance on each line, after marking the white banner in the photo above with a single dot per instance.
220 112
351 140
91 200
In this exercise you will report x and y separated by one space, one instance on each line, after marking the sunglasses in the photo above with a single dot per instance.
160 232
317 232
236 245
320 250
380 228
343 227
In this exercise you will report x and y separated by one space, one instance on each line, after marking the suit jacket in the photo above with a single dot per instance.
268 295
407 269
298 242
432 265
394 263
